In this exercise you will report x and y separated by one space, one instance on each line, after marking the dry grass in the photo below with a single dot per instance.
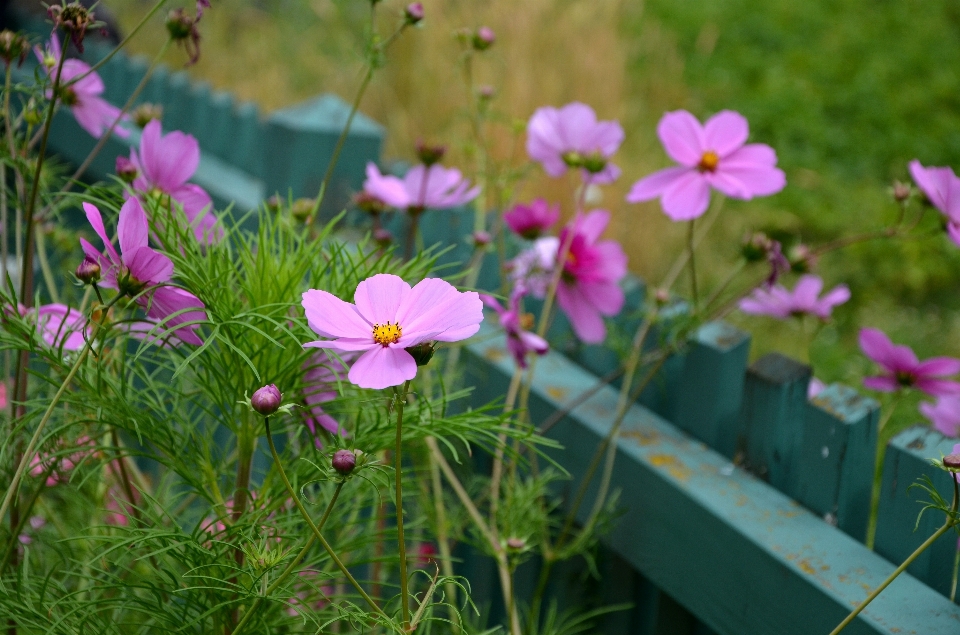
547 52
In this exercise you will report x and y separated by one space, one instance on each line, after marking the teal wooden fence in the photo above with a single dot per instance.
770 544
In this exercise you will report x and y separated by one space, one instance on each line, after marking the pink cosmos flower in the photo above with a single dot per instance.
140 269
942 188
901 369
530 221
712 155
92 112
306 589
531 269
780 303
388 317
57 325
815 387
571 136
520 341
59 466
164 164
320 386
421 188
590 284
944 414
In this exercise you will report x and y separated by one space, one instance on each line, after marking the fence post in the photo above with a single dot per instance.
907 459
835 469
774 404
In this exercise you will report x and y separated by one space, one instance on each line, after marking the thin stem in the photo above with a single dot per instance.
48 278
443 539
339 147
949 524
35 439
497 472
314 528
404 590
414 213
878 470
709 219
691 248
290 567
122 43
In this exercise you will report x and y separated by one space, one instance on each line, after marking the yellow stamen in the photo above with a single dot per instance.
386 334
709 161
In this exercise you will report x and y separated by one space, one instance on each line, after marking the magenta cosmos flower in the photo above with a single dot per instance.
780 303
421 188
590 283
533 220
942 188
901 369
520 341
164 165
322 372
712 155
388 316
944 415
140 271
59 325
82 97
571 137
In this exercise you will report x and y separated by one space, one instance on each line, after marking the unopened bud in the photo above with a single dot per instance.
344 461
487 92
413 13
662 296
274 203
382 236
73 18
145 113
573 159
952 461
302 208
127 170
179 24
516 543
594 163
88 271
422 353
481 238
484 38
755 246
900 191
430 155
801 258
13 46
266 400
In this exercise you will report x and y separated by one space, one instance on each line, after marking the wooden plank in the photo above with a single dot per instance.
737 553
774 404
177 113
907 459
247 131
707 399
836 463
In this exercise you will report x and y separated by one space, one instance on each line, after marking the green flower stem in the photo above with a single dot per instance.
34 441
314 528
951 522
290 567
691 247
404 590
878 470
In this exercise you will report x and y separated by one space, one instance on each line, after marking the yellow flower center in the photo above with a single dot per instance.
386 334
709 161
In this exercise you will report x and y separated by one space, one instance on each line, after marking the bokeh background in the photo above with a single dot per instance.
846 91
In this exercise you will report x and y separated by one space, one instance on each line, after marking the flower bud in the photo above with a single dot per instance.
382 236
344 461
413 13
422 353
900 191
145 113
13 46
755 246
483 38
573 159
952 462
274 203
481 238
516 543
594 163
88 271
126 170
662 296
366 202
266 400
302 208
183 30
430 155
801 258
73 18
486 92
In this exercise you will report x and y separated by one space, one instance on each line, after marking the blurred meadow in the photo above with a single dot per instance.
846 91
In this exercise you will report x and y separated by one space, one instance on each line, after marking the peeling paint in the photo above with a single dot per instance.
494 354
557 393
673 465
642 437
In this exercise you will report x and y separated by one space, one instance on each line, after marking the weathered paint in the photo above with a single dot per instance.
743 557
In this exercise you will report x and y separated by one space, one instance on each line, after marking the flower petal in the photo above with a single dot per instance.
329 316
132 228
378 298
653 185
939 366
937 387
682 137
882 384
96 221
435 306
148 266
687 198
584 317
725 132
382 367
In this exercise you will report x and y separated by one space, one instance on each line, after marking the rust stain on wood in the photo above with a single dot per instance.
557 393
672 464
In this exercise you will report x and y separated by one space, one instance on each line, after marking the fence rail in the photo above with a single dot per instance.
769 544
